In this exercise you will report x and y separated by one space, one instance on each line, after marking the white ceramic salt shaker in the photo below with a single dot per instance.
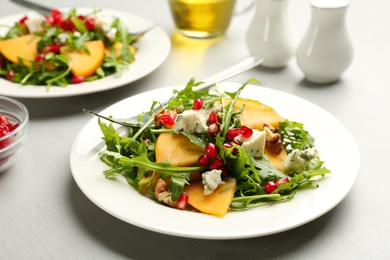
271 34
325 50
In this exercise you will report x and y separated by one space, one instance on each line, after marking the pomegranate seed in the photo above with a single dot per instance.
198 104
77 79
232 133
270 186
217 164
246 131
213 129
211 150
214 118
3 120
23 20
61 22
168 120
282 180
227 145
40 57
182 201
3 132
81 17
203 160
70 26
52 48
10 75
12 127
89 23
56 14
49 20
223 171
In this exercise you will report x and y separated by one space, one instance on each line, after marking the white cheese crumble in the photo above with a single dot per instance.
63 37
297 160
192 121
34 24
211 180
254 145
103 23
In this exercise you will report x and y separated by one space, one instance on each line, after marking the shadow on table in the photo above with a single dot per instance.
136 243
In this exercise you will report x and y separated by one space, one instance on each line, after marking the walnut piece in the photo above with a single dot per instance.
273 139
162 194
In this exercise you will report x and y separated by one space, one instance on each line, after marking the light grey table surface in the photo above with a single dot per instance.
44 214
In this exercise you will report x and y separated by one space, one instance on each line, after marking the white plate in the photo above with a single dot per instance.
336 145
153 49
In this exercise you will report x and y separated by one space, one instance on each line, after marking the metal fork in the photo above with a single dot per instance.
44 10
209 82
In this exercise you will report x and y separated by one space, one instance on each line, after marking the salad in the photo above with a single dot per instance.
212 151
65 48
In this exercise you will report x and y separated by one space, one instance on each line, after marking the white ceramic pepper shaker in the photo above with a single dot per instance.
271 34
325 50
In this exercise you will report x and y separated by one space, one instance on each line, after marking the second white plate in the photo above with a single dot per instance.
153 49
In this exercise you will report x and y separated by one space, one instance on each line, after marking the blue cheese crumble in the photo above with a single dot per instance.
298 160
192 121
254 145
211 180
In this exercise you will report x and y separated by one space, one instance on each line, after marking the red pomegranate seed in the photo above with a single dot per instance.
213 129
81 17
40 57
49 20
3 129
52 48
23 20
232 133
56 14
211 150
168 120
270 186
61 22
246 131
12 127
182 201
3 132
3 120
217 164
223 171
89 23
77 79
198 104
214 118
10 75
203 160
282 180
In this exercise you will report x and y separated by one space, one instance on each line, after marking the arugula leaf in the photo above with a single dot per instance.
294 136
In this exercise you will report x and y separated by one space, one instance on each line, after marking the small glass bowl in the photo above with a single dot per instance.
16 113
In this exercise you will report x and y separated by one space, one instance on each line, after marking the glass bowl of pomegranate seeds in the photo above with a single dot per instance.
14 124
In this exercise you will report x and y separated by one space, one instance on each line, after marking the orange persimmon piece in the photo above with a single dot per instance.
217 203
177 149
84 64
24 47
276 159
255 114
